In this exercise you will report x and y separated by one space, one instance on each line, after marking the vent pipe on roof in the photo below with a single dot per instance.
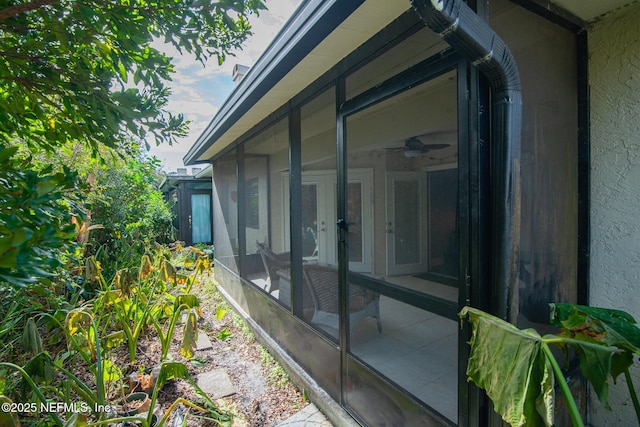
238 72
463 29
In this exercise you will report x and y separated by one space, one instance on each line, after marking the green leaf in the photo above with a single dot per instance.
508 363
114 339
110 371
6 152
190 336
40 369
224 335
31 340
595 364
607 326
613 329
167 272
189 300
171 370
220 312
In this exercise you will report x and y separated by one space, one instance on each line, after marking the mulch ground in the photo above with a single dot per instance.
264 397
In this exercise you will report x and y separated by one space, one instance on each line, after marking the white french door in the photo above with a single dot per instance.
405 228
319 217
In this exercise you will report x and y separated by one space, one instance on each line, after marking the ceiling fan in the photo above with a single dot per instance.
414 147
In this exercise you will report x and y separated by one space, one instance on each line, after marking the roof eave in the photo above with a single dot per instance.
311 23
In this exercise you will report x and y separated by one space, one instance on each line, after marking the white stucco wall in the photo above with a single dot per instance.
614 62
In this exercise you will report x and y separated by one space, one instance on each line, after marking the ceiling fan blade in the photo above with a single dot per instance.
431 147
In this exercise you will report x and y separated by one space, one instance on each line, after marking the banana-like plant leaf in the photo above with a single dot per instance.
110 371
79 326
146 267
190 300
171 370
40 369
203 264
31 340
510 365
123 281
189 336
114 339
167 272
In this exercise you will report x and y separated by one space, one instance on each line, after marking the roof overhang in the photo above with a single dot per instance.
318 35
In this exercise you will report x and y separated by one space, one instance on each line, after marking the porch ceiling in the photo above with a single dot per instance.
588 10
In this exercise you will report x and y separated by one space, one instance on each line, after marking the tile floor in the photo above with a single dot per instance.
417 350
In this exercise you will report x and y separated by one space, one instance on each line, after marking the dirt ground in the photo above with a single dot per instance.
264 396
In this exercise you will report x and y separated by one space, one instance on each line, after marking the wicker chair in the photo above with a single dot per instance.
322 281
272 263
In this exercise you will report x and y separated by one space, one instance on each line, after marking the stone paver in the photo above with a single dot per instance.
203 342
216 383
310 416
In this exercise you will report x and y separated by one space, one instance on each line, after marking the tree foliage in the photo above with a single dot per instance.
87 71
87 74
130 210
35 217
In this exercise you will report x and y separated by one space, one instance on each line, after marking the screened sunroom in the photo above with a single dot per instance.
362 196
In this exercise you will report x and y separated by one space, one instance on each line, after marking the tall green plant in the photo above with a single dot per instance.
181 303
518 369
133 300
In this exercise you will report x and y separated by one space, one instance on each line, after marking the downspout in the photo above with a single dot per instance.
463 29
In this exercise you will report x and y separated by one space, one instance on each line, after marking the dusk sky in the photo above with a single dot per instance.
198 92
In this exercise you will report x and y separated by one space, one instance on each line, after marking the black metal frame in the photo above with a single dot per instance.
295 210
415 75
474 274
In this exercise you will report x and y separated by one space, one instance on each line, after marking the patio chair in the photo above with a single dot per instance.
322 281
272 263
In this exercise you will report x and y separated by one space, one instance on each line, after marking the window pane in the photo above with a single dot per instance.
418 47
266 162
354 218
319 287
402 141
442 221
407 221
225 197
